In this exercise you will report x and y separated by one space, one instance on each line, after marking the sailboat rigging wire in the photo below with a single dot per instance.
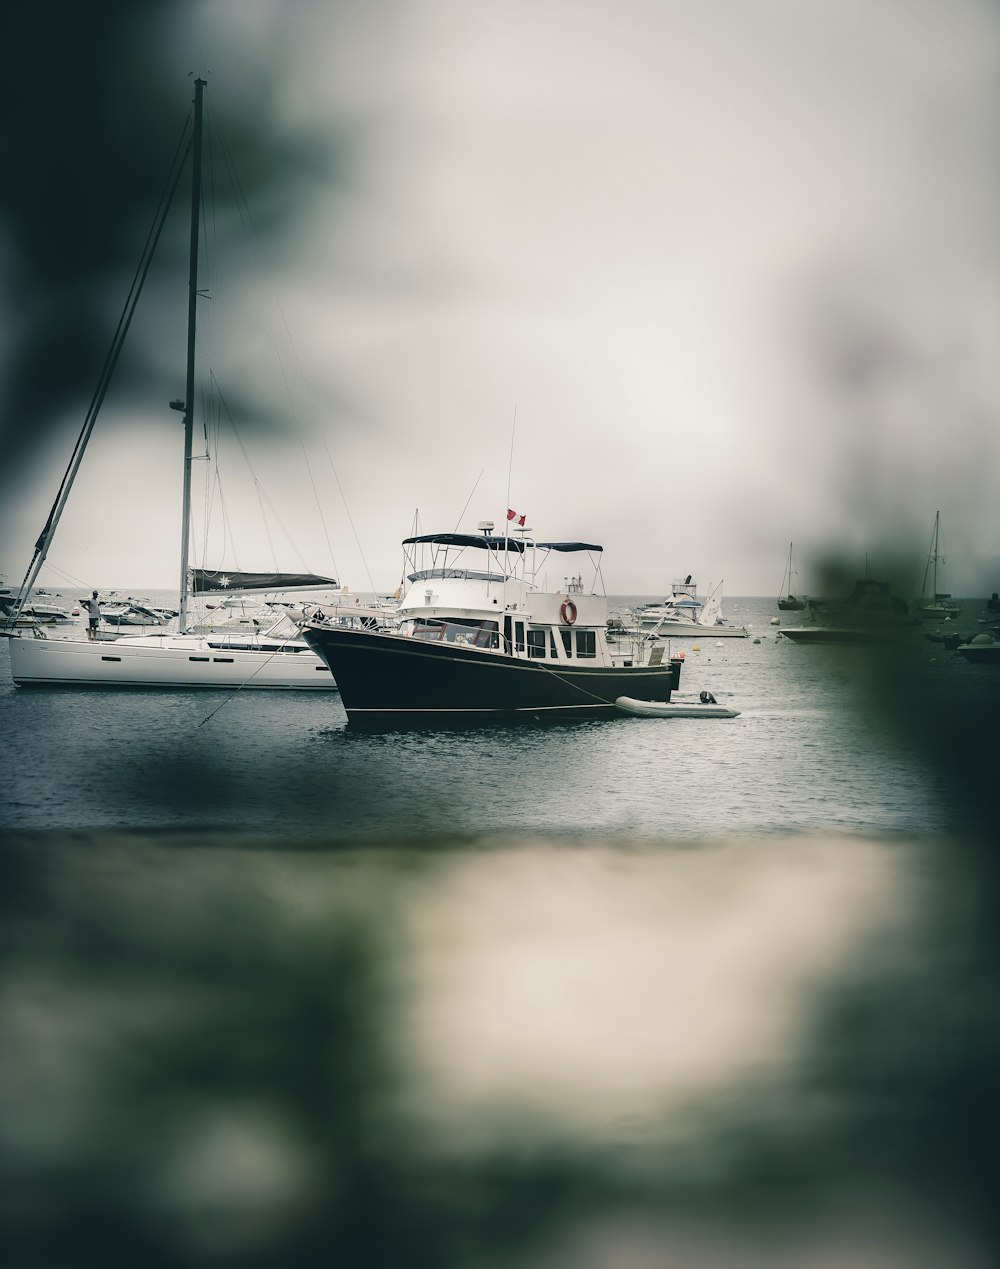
108 368
249 227
267 528
468 500
259 488
312 481
67 577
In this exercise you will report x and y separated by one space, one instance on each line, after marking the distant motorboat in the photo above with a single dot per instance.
45 611
982 650
131 614
835 634
10 620
679 609
235 612
683 614
870 614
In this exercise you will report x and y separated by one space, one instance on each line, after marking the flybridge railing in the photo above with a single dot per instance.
462 574
441 555
514 558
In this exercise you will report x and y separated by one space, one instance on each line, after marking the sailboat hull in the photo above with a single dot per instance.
396 678
161 663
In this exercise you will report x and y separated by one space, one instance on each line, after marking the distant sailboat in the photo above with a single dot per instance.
711 620
788 601
935 603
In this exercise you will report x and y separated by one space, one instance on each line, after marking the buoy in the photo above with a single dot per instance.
775 621
720 644
756 641
696 647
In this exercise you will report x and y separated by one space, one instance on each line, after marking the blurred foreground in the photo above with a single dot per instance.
773 1052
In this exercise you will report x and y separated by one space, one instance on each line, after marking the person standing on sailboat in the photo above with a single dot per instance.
93 615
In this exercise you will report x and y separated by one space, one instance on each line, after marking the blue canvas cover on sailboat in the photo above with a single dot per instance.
206 581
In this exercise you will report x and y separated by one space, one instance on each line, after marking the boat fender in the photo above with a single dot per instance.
707 698
567 611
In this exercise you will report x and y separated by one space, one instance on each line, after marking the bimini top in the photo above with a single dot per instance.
487 543
568 546
481 540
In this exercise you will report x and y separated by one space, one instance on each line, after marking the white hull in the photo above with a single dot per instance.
941 612
673 709
161 661
691 629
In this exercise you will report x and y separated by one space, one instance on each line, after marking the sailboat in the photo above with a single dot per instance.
935 603
788 601
276 658
711 620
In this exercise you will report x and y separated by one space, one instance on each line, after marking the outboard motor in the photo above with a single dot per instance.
707 698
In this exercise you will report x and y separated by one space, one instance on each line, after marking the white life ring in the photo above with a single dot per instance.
567 611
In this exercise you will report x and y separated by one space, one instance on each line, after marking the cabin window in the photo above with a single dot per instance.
567 638
536 644
508 635
489 635
478 634
197 658
518 636
110 658
431 631
228 660
552 644
323 668
586 643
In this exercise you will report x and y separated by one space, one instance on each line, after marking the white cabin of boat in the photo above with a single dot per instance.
495 602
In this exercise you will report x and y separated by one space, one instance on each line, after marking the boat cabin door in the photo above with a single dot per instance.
513 635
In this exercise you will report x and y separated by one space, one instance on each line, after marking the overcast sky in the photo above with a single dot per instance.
733 268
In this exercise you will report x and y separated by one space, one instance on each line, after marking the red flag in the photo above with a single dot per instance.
521 520
511 514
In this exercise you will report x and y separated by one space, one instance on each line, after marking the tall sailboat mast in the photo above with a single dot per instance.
937 529
199 86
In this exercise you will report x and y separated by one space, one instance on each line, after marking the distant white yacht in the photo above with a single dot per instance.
683 614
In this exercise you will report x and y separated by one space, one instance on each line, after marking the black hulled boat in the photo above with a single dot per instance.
478 641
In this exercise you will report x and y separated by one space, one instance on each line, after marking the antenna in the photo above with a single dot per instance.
510 464
468 500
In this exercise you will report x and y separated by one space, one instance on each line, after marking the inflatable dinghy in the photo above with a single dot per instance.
674 709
